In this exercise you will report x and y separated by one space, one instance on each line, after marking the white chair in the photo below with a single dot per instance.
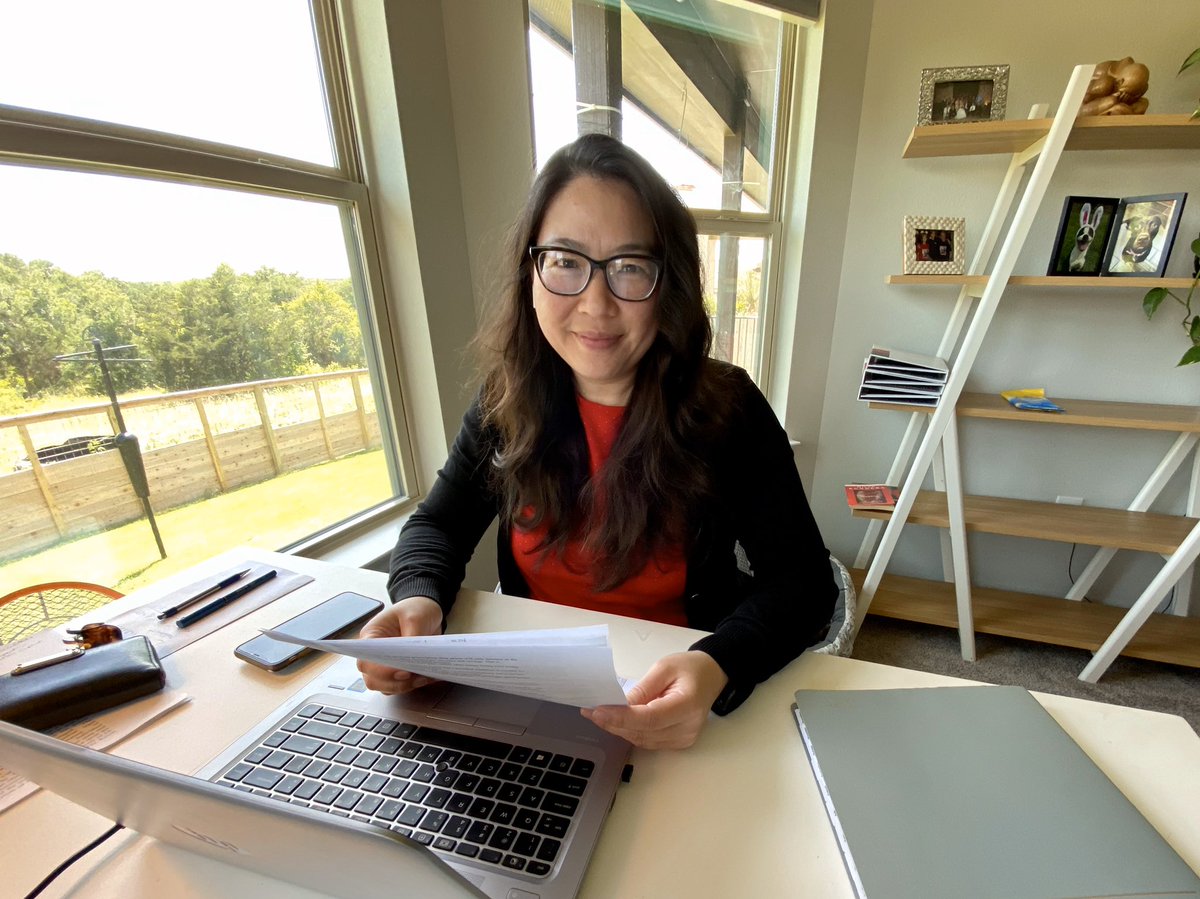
840 639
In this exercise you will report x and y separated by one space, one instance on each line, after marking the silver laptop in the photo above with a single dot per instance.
449 792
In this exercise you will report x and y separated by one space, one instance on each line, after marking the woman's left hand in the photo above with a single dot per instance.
669 706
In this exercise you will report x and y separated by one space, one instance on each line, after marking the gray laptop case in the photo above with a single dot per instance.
975 791
268 831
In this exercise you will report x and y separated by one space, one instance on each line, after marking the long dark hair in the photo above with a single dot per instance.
654 479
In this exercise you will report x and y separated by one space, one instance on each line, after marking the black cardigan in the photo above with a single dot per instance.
759 623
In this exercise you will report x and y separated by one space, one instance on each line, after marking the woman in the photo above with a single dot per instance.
623 463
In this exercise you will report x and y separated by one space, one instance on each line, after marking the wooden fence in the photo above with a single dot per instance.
742 348
278 425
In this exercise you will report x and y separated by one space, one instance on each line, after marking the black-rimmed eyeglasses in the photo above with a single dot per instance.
631 276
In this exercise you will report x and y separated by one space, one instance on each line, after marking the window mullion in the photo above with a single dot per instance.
61 142
716 224
336 79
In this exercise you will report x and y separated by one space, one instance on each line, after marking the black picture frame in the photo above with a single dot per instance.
1142 235
1081 241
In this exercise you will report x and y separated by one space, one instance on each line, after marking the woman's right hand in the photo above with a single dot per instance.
416 616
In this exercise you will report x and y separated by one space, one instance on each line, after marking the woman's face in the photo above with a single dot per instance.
599 336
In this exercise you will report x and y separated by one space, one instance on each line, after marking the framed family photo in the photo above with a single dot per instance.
934 246
1082 237
1142 234
966 94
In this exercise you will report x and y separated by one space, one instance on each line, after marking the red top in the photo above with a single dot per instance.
655 593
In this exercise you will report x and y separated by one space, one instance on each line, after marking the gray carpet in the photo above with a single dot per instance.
1035 666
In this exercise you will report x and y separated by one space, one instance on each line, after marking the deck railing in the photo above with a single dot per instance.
195 443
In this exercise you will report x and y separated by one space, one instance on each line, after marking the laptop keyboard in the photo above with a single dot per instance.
500 803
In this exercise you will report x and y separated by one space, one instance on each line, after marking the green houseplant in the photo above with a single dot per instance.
1192 60
1191 320
1155 296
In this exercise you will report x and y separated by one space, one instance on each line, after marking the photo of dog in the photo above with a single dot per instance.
1085 236
1082 236
1143 232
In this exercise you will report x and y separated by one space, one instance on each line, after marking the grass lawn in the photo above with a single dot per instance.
269 515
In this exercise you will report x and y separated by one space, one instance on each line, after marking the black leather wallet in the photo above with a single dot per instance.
98 679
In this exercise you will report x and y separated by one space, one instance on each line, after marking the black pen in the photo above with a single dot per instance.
203 594
225 600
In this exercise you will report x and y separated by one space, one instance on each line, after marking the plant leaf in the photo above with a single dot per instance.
1192 355
1196 247
1153 298
1194 330
1192 60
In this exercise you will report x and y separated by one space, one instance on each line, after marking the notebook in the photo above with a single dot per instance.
975 791
452 791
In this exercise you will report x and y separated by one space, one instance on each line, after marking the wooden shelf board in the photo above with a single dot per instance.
1094 413
1089 525
980 281
1062 622
1145 132
897 407
1133 416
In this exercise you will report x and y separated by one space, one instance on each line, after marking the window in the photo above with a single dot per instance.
700 89
204 228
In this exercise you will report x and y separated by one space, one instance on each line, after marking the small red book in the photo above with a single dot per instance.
871 496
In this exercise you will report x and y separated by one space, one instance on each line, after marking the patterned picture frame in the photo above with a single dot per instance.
934 245
964 94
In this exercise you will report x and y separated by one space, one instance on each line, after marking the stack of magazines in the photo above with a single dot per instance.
902 378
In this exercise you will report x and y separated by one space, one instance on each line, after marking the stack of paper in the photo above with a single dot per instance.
573 665
897 376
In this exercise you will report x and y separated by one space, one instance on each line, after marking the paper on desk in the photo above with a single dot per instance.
99 731
573 666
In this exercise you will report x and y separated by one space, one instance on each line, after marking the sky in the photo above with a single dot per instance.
113 64
129 62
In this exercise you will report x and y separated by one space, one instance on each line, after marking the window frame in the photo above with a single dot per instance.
768 225
34 138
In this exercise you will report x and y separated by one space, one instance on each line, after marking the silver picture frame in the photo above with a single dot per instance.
965 94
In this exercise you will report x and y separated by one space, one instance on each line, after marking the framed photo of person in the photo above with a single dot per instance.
967 94
1142 234
934 246
1081 244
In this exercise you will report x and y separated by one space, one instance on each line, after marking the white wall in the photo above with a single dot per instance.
443 101
829 82
1073 343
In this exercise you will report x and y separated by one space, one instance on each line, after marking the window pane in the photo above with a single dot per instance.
696 90
255 414
733 294
231 71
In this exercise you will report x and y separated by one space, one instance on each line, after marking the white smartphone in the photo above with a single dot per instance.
325 620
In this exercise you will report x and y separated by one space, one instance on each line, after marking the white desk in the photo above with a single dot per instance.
738 814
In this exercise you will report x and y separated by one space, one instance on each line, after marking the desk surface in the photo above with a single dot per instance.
737 814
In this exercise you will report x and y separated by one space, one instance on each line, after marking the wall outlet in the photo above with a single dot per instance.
1069 500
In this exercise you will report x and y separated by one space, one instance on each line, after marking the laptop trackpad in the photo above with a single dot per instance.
487 706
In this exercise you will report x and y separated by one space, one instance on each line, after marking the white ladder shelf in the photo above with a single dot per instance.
936 449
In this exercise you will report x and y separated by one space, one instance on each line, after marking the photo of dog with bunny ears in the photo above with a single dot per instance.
1085 236
1082 237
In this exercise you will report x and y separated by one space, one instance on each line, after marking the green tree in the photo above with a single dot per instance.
107 313
326 326
38 321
